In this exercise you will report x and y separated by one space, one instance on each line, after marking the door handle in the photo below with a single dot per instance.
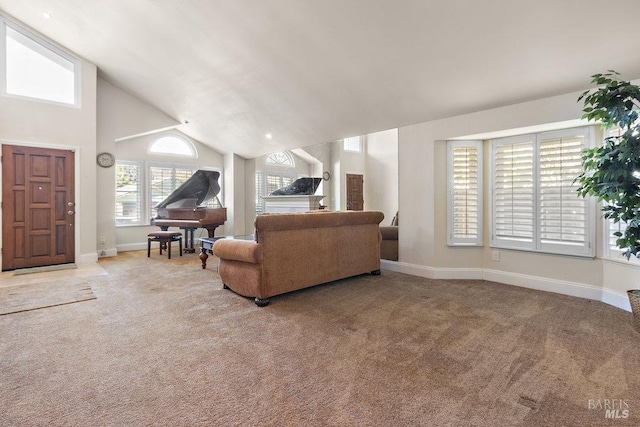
70 212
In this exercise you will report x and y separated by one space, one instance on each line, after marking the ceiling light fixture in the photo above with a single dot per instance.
268 136
46 14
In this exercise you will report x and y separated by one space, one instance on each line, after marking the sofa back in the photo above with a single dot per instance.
305 249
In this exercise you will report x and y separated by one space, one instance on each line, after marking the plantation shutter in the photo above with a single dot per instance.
513 191
465 193
128 193
610 244
161 185
259 192
611 227
563 215
163 180
535 200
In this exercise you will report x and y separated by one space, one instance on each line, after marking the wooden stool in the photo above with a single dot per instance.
165 238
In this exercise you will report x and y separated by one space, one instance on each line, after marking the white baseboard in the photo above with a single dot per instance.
107 253
131 247
412 269
432 272
564 287
87 258
616 299
545 284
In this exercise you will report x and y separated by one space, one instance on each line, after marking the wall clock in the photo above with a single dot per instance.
326 176
106 160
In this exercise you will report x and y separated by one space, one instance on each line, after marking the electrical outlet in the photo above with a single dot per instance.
495 255
102 239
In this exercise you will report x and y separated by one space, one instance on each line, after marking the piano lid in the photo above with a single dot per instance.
301 186
200 187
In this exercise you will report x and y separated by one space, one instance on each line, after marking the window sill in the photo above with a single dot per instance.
539 252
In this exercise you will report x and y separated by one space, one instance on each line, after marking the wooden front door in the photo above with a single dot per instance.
355 198
38 207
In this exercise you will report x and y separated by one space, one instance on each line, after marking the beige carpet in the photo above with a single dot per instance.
163 344
16 299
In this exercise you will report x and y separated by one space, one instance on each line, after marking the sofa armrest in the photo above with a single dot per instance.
238 250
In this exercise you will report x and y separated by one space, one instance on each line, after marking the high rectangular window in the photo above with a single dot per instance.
35 68
353 144
535 205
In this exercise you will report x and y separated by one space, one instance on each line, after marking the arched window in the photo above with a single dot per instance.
173 144
281 158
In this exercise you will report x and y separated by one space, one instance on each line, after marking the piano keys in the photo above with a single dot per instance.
182 207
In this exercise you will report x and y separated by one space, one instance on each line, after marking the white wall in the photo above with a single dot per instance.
351 163
122 115
322 155
119 115
135 237
33 123
234 177
423 244
381 173
249 195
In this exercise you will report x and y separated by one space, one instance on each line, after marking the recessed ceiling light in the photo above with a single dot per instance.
46 14
268 136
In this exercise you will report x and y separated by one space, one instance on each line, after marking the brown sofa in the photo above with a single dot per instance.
389 244
295 251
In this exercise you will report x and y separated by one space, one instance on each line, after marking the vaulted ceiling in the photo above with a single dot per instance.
313 71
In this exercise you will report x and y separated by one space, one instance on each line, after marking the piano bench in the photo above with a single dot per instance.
165 238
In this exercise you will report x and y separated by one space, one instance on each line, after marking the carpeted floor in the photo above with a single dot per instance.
163 344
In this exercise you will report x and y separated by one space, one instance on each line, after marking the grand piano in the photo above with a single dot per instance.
299 196
182 208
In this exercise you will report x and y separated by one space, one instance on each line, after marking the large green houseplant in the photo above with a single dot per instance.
612 170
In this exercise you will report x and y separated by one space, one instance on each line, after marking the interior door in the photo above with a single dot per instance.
38 207
355 194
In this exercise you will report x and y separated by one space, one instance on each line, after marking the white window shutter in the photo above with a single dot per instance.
464 205
128 193
259 182
563 215
513 192
535 205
